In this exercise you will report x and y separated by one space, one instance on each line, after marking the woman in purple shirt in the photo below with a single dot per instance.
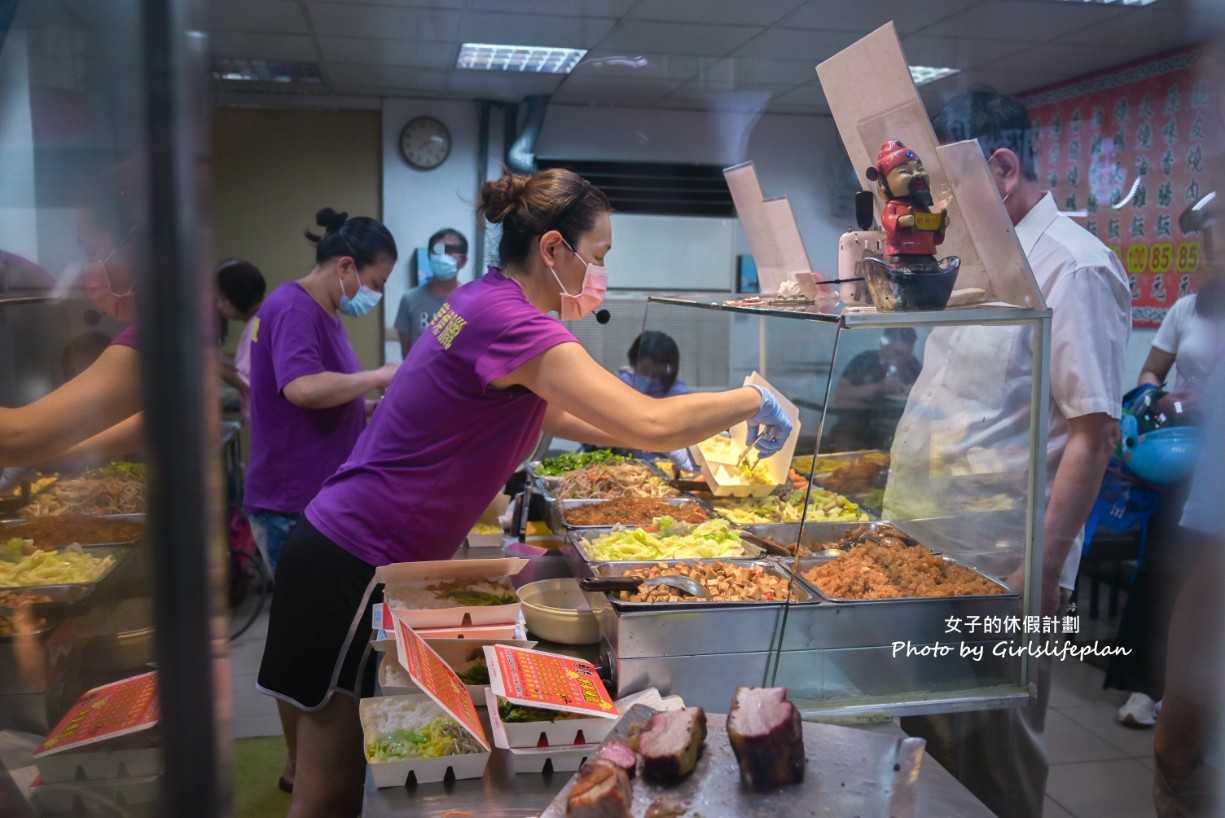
466 407
308 389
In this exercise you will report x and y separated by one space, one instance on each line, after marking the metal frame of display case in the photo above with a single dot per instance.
875 617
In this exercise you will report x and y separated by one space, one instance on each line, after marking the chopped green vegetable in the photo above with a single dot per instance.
475 598
441 737
517 713
673 540
478 674
568 462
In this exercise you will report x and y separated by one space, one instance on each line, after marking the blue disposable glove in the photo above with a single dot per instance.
683 460
771 420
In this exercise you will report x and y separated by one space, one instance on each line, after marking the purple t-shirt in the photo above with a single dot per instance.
293 450
128 337
443 442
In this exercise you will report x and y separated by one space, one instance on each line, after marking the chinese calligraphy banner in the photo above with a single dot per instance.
1127 148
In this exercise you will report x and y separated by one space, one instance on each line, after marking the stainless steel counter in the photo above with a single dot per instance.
502 795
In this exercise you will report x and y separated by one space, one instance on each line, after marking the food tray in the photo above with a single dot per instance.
560 507
426 770
847 772
806 563
120 552
800 593
16 526
558 735
789 534
578 540
547 485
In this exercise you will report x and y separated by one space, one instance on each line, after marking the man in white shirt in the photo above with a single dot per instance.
967 402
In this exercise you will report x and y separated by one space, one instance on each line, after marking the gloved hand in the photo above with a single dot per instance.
770 418
12 476
683 460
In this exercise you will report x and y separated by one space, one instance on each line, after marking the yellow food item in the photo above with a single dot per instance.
486 528
69 566
823 506
721 451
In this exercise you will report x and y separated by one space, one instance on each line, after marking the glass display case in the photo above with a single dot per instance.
923 428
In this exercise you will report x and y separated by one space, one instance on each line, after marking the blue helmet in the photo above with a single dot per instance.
1160 456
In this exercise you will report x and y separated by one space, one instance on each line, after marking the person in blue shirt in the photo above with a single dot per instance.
654 363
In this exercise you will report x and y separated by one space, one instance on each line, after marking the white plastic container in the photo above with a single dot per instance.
425 770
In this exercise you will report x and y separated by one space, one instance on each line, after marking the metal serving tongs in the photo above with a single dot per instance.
749 448
631 583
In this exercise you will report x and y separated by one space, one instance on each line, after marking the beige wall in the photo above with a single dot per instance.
273 170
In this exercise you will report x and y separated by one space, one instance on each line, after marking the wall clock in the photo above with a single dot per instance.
425 142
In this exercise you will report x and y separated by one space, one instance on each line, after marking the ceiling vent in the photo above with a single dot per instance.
656 188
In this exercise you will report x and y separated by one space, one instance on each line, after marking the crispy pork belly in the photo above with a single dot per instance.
602 790
671 743
767 737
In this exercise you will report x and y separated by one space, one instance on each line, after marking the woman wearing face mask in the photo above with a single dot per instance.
654 362
57 427
493 369
308 389
448 253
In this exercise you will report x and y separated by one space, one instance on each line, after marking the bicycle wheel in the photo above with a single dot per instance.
248 591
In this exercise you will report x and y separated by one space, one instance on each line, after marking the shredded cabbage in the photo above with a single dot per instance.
441 737
68 566
673 540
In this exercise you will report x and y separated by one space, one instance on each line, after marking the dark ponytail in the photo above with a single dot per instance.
363 238
530 206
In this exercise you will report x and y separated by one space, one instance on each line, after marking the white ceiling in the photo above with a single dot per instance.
691 54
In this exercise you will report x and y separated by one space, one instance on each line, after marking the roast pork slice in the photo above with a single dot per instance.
671 743
621 754
602 790
767 737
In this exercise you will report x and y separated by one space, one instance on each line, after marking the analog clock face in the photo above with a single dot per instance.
425 143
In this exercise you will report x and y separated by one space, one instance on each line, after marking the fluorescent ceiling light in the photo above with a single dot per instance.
522 58
923 74
301 73
1115 2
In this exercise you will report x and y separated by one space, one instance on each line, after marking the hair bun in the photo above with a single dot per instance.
330 220
501 197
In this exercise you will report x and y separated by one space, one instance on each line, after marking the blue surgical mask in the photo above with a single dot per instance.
444 267
363 302
647 385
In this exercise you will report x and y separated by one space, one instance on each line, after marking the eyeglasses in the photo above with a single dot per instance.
454 250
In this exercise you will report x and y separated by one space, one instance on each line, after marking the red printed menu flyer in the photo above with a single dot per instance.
550 680
427 669
106 712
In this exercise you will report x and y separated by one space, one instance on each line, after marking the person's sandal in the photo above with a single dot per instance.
283 785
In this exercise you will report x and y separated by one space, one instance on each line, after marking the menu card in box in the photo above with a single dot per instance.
539 679
106 712
433 675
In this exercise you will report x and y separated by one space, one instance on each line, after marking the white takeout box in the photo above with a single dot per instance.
589 730
407 579
564 759
721 475
426 770
78 797
98 738
444 692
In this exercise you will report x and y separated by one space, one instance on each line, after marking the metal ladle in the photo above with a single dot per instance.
631 583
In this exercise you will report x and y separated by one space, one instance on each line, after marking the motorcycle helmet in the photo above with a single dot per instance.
1162 455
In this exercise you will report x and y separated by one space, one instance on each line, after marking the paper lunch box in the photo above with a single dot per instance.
417 591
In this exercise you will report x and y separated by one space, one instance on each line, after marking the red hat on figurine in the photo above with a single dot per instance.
892 154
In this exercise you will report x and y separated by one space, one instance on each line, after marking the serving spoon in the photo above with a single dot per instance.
631 583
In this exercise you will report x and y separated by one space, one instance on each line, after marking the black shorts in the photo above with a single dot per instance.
319 626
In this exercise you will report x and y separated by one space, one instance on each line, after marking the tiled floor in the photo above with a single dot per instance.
1098 767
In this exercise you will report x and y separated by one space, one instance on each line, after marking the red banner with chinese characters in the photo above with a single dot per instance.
1127 149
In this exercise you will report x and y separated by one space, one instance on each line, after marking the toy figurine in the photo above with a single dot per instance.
912 230
909 277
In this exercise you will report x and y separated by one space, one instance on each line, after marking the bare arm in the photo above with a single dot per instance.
324 390
124 438
565 425
230 375
572 382
1091 441
101 396
1156 367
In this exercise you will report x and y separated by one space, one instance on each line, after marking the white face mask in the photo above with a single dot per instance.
595 284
